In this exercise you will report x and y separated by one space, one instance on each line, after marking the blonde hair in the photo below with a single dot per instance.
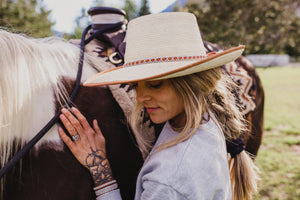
205 92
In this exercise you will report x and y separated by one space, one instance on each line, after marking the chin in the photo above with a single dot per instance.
157 121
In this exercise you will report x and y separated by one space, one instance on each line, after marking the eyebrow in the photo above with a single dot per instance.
132 83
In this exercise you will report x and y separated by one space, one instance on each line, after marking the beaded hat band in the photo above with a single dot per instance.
163 59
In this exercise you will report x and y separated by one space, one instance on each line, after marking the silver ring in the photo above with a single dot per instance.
75 137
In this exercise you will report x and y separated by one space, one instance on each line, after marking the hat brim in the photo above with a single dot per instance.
163 70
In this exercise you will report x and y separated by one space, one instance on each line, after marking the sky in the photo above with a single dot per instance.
64 12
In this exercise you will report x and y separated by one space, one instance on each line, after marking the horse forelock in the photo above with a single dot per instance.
31 73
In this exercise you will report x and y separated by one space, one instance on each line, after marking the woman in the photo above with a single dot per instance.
177 84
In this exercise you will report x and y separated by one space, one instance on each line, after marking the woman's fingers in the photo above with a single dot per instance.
88 131
79 149
96 127
68 125
65 138
81 118
78 126
92 141
99 138
71 123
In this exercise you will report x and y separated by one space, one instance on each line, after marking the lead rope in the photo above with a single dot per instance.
54 119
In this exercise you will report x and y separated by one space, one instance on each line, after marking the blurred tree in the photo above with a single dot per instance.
264 26
25 16
178 5
144 10
130 9
82 22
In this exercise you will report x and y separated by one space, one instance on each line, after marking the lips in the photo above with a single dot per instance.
151 109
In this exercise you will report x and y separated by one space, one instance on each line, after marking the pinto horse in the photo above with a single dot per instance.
37 76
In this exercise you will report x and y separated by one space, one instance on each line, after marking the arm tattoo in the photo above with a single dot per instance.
99 166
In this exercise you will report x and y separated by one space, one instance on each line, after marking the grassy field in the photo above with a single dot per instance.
279 154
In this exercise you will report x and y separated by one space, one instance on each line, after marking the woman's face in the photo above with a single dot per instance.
161 101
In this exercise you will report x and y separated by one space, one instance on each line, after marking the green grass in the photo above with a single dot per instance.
282 93
279 154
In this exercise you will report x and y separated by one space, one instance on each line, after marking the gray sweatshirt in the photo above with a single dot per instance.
196 169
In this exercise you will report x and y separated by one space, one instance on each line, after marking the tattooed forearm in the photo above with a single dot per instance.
99 167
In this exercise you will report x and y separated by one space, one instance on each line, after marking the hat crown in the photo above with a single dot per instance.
163 46
163 35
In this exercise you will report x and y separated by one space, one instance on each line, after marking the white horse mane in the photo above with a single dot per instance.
30 79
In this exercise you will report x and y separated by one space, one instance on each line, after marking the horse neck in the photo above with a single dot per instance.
30 85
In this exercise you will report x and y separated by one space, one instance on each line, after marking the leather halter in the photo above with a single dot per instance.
55 118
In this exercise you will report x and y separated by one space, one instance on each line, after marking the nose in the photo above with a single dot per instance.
142 94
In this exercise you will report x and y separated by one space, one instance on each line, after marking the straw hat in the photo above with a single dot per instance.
161 46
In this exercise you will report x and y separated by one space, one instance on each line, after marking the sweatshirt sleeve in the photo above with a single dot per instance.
113 195
155 190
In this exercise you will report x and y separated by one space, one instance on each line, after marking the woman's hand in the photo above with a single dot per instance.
88 144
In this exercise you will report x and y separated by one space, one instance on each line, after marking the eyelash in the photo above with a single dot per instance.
155 86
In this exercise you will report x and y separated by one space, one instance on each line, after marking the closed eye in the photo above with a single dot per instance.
155 84
149 84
